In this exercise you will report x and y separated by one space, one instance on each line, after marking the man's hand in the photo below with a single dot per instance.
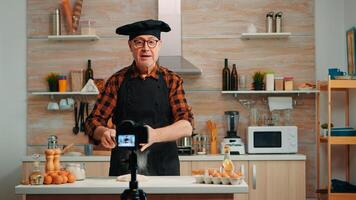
153 137
108 138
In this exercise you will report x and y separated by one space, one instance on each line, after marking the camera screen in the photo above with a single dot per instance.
126 141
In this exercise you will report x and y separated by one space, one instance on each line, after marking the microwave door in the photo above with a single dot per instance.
267 141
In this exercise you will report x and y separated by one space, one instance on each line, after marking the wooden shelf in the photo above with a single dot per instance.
73 37
251 36
329 86
342 196
345 84
338 84
339 139
271 92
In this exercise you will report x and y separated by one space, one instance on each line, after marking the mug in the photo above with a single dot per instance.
52 106
88 149
66 104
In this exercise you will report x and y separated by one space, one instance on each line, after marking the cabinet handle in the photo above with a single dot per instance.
254 176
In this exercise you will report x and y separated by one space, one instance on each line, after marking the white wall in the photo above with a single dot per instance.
12 94
329 36
350 20
330 48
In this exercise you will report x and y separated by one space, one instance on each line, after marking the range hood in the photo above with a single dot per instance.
171 57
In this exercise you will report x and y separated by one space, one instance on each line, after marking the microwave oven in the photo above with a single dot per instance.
272 139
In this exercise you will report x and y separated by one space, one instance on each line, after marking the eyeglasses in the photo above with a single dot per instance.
141 43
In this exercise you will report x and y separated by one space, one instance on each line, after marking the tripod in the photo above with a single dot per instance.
133 193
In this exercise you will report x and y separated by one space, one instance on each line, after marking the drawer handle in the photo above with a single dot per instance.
254 177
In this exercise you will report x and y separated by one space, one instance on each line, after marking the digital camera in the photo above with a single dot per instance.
129 135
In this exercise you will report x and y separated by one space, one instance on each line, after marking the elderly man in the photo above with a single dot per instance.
146 93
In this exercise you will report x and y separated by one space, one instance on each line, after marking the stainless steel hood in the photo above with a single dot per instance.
171 57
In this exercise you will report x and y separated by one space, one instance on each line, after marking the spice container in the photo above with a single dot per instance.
278 83
87 27
62 82
200 144
269 81
288 83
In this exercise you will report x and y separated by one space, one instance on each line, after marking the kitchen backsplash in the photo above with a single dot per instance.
211 32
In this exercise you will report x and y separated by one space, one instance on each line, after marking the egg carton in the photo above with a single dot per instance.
201 179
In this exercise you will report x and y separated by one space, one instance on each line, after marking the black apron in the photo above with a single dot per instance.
145 101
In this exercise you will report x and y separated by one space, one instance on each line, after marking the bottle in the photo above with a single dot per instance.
89 73
36 177
234 78
226 77
62 83
278 22
56 22
227 164
269 22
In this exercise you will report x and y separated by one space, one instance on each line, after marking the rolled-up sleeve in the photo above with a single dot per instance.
103 108
180 108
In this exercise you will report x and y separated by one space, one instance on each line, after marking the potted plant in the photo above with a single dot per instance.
324 128
258 81
52 80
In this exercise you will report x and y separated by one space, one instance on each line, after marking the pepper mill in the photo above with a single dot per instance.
49 160
56 159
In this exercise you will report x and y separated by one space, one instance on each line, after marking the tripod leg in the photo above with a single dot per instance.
125 195
142 195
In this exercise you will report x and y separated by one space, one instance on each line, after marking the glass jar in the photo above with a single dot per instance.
288 83
87 27
278 83
36 177
77 169
200 144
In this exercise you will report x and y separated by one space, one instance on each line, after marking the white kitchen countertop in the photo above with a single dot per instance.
185 158
154 185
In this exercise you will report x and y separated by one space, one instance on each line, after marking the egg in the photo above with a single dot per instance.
65 179
47 179
71 178
57 180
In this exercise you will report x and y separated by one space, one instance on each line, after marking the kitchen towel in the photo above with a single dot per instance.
280 103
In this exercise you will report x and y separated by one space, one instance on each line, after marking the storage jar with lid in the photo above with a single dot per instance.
87 27
288 83
269 81
278 83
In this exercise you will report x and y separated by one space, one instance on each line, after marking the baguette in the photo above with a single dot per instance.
67 13
76 14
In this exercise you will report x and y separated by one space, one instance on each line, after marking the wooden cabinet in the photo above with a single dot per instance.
276 180
185 168
267 180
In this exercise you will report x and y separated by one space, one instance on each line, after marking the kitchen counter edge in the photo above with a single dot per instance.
247 157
